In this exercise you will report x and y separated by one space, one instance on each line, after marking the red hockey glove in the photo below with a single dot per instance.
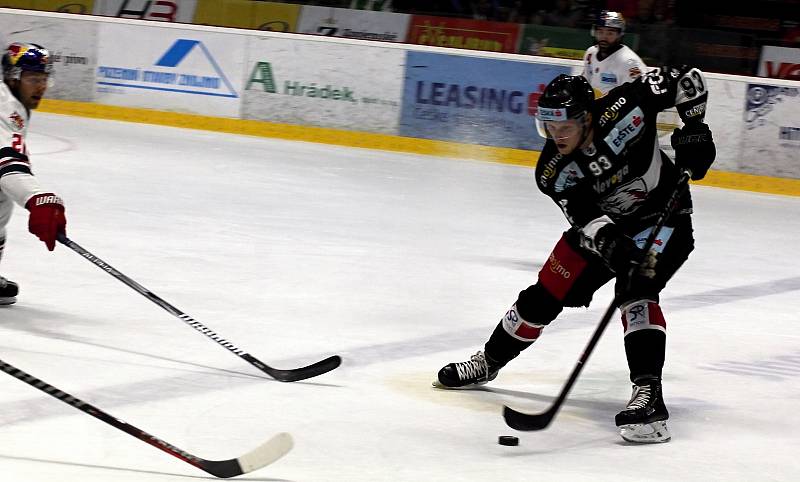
694 149
47 218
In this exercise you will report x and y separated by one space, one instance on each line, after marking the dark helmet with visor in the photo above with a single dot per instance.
565 97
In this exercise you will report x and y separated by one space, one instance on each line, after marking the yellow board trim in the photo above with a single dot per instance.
368 140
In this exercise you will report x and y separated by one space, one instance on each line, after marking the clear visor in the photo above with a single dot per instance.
548 114
561 129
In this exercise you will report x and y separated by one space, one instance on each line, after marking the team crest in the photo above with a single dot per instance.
568 177
17 121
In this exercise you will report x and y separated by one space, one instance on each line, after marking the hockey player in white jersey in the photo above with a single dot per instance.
610 63
26 75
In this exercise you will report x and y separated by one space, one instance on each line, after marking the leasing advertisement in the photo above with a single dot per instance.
327 84
474 100
159 10
254 14
771 138
779 63
192 71
358 24
72 44
464 33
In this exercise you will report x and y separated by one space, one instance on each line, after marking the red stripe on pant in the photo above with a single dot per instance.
563 267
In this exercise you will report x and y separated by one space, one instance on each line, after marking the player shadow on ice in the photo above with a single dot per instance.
137 471
591 409
516 264
34 320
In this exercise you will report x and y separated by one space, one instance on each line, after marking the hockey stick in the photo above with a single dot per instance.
290 375
538 421
270 451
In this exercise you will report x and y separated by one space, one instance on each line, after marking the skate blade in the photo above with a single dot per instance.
437 384
646 433
10 300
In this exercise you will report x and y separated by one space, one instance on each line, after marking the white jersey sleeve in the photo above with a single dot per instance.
630 65
16 178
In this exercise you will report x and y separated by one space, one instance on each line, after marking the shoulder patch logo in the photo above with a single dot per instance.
626 129
568 177
612 112
17 120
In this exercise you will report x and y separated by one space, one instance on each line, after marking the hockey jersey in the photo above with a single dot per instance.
623 176
17 183
623 65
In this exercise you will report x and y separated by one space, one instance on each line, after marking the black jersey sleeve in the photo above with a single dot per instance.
684 88
557 178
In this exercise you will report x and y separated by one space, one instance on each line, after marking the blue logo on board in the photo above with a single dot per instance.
186 67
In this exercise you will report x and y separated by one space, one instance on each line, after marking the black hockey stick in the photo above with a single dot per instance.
270 451
538 421
290 375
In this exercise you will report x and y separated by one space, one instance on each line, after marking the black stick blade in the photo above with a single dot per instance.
527 422
295 374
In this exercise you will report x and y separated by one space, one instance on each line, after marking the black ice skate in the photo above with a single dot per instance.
644 420
477 371
8 292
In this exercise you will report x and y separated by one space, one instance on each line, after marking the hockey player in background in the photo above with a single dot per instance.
609 63
26 75
602 166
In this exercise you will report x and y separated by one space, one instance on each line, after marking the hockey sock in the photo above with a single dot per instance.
512 335
645 339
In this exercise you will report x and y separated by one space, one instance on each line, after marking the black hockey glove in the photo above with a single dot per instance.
616 249
694 149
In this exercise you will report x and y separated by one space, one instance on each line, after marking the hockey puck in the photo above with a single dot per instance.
508 440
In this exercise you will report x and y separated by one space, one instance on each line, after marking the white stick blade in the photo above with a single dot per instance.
268 452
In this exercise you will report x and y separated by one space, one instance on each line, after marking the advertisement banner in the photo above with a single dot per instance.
779 63
72 44
771 138
254 14
562 42
474 100
359 24
325 84
62 6
716 50
181 11
464 33
180 70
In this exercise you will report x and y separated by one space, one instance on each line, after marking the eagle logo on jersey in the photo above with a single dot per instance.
626 199
17 121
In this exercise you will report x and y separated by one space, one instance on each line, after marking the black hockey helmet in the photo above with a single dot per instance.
565 97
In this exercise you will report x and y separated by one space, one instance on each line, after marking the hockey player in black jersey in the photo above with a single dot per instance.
602 166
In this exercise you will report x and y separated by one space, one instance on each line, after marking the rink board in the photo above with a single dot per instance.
371 94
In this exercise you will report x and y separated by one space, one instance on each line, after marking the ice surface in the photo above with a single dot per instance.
400 263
